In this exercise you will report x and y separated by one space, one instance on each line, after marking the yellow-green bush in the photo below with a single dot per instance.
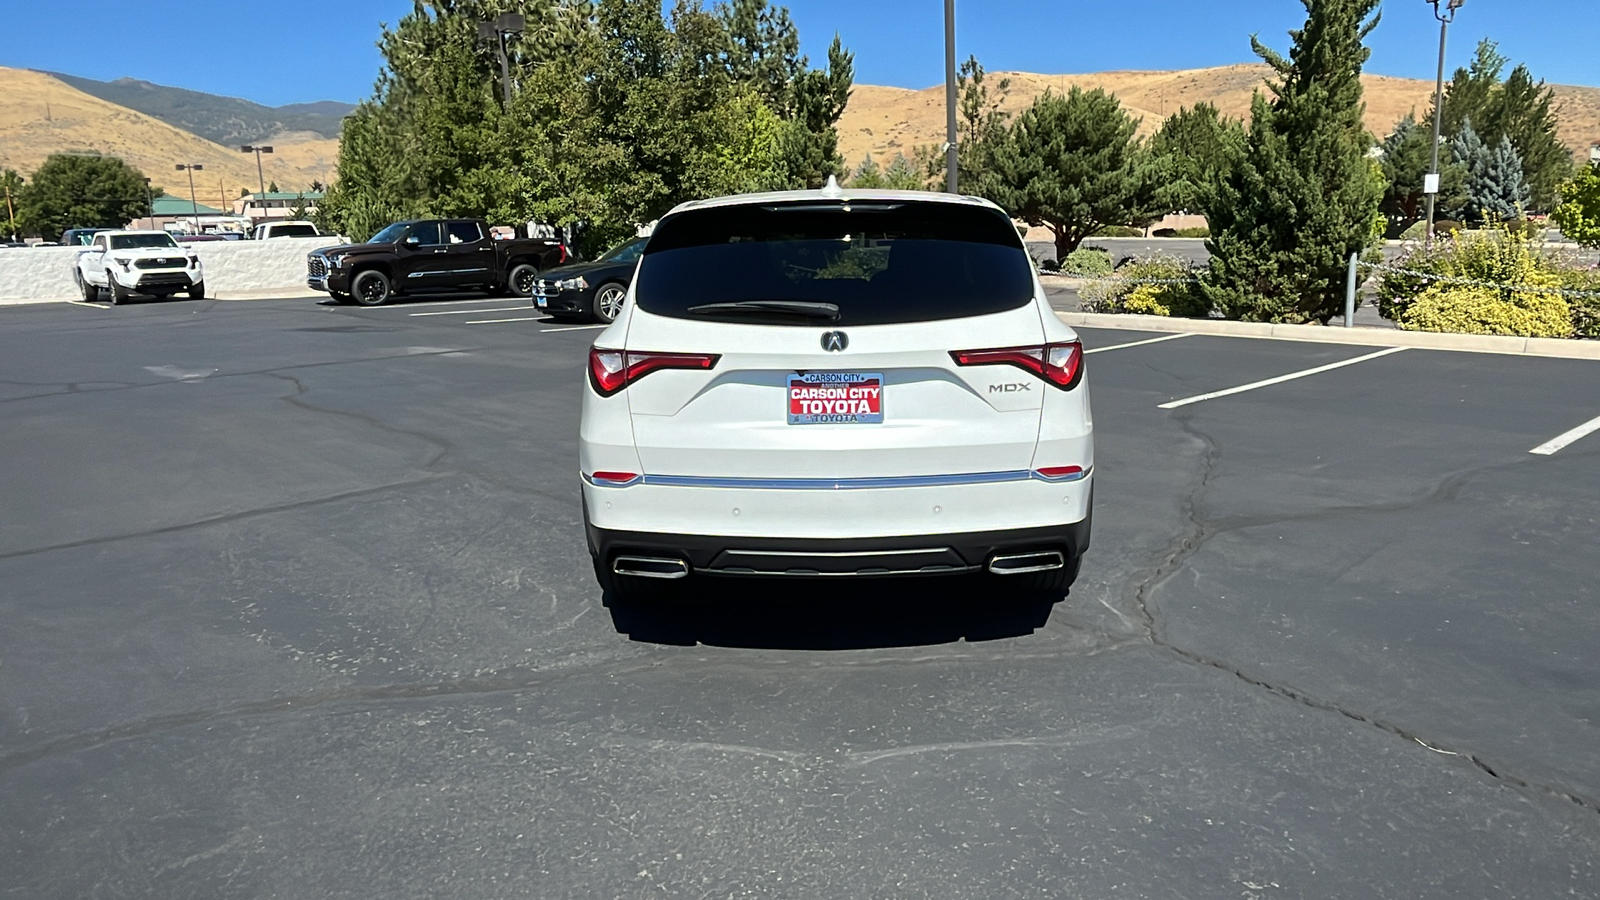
1476 310
1164 300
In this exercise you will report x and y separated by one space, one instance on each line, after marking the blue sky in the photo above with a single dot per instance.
289 51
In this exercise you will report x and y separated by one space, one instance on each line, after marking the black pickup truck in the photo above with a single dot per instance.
430 255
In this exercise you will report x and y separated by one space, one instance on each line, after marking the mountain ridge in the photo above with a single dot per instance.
217 118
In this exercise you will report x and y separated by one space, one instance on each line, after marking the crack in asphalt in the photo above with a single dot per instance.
1197 531
223 518
70 388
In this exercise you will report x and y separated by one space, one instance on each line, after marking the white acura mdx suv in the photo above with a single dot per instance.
836 383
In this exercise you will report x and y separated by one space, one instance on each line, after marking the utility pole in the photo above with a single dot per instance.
192 168
1431 186
11 211
149 203
950 96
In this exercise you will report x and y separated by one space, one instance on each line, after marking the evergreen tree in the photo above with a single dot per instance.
867 175
1517 107
1073 164
1304 195
619 112
1196 146
903 175
1495 188
1407 161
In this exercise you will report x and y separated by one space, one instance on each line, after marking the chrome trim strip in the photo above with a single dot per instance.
841 484
837 484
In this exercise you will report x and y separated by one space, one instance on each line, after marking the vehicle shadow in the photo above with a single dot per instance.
828 615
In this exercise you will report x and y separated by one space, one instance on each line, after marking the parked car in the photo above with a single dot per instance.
836 383
590 290
123 263
80 237
429 255
271 230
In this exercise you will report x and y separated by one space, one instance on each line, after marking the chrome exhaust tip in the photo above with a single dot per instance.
1023 563
650 567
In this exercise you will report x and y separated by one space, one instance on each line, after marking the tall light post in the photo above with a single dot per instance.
950 96
261 179
505 25
192 168
149 203
1431 186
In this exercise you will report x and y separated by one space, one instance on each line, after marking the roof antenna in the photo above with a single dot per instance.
832 189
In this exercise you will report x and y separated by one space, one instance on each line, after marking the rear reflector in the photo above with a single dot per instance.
1060 473
1059 364
613 479
612 370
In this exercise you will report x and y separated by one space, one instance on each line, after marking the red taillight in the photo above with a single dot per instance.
612 370
1059 364
614 478
563 254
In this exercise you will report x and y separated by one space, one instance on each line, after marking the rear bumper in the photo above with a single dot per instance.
940 554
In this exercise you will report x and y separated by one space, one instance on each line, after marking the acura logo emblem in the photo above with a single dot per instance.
835 341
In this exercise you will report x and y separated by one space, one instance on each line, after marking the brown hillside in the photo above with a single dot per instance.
40 116
884 121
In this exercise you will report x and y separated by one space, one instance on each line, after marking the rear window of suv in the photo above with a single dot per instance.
879 262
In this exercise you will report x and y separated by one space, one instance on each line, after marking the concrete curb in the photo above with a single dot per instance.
1555 348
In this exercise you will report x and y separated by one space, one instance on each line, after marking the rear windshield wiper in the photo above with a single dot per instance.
808 308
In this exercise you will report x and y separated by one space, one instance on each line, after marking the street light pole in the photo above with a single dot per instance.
149 203
504 26
1445 17
261 179
951 168
192 168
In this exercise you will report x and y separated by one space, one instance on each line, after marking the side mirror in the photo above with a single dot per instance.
411 243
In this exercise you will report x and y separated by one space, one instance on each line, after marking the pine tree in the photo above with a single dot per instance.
1304 195
1196 146
1407 160
867 175
1496 190
1073 164
1517 107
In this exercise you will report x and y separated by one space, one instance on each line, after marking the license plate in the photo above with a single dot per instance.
836 398
542 302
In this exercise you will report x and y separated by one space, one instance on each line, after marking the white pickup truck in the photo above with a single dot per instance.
123 263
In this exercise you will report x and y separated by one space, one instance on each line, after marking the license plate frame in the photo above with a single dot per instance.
835 398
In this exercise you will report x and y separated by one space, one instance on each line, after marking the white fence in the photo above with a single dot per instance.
43 274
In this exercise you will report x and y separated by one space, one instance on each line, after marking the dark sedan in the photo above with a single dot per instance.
590 290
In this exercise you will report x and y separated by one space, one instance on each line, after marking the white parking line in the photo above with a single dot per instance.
1170 337
1280 379
1555 445
496 321
570 328
442 303
470 312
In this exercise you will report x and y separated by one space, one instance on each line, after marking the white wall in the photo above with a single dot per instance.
41 274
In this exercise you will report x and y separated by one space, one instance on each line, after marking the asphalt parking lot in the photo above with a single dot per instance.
297 604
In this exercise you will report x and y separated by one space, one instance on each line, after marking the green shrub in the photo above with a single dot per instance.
1200 232
1585 310
1477 310
1087 262
1124 294
1120 231
1497 255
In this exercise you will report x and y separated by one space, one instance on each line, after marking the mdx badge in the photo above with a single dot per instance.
835 341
